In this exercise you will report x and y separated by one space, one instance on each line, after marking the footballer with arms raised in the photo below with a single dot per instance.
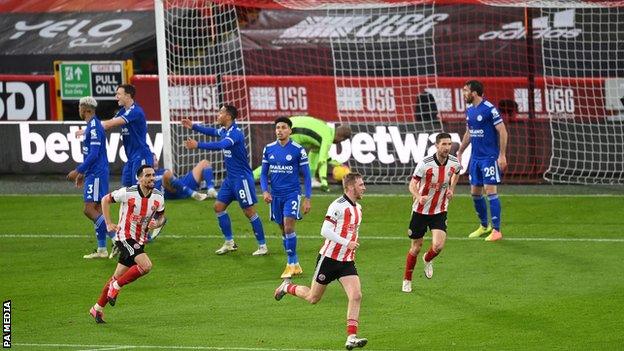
238 184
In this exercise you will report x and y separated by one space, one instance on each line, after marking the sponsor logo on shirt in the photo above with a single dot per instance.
281 168
477 133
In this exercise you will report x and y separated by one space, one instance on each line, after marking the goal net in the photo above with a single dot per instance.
393 71
200 69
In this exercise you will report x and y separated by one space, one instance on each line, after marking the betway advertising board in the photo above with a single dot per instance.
52 148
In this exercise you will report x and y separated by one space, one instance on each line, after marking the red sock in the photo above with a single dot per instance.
430 255
352 325
102 301
410 263
131 275
291 289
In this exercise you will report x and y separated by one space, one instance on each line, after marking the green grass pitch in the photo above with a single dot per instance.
554 282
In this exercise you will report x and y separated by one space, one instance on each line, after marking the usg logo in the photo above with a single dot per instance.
363 26
560 25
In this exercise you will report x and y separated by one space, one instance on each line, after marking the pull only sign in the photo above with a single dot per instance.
98 79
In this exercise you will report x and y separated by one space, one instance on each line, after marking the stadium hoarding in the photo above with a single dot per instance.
27 98
33 97
30 42
446 40
73 32
361 99
52 148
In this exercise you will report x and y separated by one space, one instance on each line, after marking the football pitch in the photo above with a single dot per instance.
554 282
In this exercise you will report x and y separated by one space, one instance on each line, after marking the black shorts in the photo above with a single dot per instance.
128 250
420 222
328 269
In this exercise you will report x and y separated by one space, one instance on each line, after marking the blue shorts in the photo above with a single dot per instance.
128 173
95 188
189 181
285 206
241 189
484 171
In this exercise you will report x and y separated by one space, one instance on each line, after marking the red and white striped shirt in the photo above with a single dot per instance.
346 217
434 183
136 211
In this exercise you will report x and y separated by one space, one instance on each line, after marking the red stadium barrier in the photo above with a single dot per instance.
376 99
27 98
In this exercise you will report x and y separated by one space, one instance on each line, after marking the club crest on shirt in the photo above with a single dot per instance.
479 118
288 157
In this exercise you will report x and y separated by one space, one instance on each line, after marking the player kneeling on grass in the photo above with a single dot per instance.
336 257
432 186
142 208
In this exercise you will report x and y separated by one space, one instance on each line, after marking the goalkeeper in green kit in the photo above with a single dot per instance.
316 136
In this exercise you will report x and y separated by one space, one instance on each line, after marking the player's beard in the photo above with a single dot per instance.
150 185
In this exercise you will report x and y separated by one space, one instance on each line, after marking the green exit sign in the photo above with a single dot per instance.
75 80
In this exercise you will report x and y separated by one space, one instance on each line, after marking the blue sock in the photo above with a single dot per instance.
481 207
177 184
290 243
225 224
256 226
495 210
100 231
208 177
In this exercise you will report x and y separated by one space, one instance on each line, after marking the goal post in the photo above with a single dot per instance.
393 71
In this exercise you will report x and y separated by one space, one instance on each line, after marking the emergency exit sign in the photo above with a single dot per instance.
97 79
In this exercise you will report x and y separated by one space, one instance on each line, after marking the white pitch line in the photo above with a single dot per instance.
334 195
173 347
246 236
108 348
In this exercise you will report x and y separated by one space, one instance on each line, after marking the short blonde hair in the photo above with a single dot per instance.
350 179
88 101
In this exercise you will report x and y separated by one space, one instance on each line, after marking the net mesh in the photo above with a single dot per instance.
393 71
